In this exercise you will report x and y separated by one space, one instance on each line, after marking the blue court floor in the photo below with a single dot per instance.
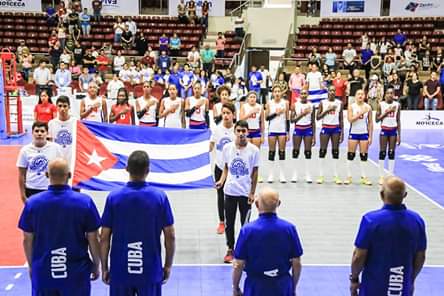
215 280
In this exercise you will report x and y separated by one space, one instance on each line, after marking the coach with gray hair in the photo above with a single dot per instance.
390 246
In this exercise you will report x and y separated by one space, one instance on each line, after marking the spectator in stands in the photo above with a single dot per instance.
125 73
146 72
61 36
314 57
423 46
132 26
366 55
127 38
239 26
400 38
85 79
97 9
364 40
205 14
375 92
355 83
45 110
397 85
207 59
191 10
89 61
340 85
21 50
254 81
163 43
113 87
398 51
314 78
426 61
73 20
349 56
175 78
26 65
229 77
147 59
175 44
220 45
118 62
282 83
193 58
384 46
54 55
63 76
119 27
78 53
438 59
65 57
330 59
239 91
182 12
296 83
388 67
75 70
61 12
186 82
164 62
51 16
102 64
85 22
432 89
41 76
141 43
414 87
376 63
265 84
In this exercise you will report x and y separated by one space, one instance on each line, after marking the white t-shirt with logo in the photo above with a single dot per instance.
61 133
241 163
35 160
221 136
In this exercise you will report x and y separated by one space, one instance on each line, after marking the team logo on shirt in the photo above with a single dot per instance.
63 138
238 168
39 164
222 143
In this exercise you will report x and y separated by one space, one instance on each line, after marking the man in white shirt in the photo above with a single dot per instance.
63 76
132 26
60 129
33 159
314 78
118 62
41 77
113 87
241 165
349 55
265 83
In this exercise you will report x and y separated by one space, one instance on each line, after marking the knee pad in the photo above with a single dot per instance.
335 153
363 156
271 155
391 154
322 153
351 155
281 155
382 155
307 154
295 153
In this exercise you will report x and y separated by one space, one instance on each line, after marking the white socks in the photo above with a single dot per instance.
381 168
348 167
391 166
364 169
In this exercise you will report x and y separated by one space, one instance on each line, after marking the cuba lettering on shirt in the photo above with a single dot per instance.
241 163
135 258
59 269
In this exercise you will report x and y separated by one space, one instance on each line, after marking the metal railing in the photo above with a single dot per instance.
249 3
237 58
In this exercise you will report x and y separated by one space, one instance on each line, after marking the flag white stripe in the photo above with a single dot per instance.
121 175
165 152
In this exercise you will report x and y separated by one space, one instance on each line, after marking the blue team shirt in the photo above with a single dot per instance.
187 77
366 55
254 79
59 219
175 79
392 235
400 38
136 214
267 245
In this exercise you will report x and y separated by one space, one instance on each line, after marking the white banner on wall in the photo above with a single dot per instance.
115 7
416 8
217 7
21 5
350 8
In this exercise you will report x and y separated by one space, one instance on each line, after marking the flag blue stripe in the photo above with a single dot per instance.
101 185
169 166
148 135
317 92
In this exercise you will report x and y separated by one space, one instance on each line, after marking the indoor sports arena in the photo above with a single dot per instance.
221 147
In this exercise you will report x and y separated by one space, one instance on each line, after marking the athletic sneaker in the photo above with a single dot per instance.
308 179
228 257
365 181
320 180
381 180
260 179
270 179
294 179
348 181
221 228
337 180
282 178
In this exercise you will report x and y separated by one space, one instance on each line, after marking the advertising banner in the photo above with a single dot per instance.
350 8
115 7
21 5
416 8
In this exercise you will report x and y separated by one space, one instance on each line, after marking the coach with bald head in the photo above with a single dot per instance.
267 249
390 246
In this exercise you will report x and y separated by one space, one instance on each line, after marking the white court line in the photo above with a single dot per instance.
9 287
17 275
308 264
413 188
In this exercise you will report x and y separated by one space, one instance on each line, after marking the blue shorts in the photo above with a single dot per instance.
303 132
331 130
358 137
252 134
198 124
276 134
79 290
147 290
389 132
282 285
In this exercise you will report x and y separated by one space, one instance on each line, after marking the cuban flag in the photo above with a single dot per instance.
315 96
179 158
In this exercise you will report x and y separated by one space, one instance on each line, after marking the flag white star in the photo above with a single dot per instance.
95 158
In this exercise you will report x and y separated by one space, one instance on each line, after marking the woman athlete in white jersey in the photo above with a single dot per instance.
303 117
253 114
330 112
147 106
278 131
389 114
196 108
360 116
171 109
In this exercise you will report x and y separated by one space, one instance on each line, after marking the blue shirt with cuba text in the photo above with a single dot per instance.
136 214
392 235
267 245
59 219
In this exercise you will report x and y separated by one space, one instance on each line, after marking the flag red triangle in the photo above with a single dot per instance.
91 156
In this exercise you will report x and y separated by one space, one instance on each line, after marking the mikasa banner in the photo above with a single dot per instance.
416 8
21 5
115 7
